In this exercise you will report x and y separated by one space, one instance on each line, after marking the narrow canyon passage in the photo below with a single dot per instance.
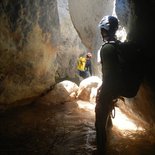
66 129
40 43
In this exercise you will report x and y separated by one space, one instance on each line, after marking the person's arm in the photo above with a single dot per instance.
98 56
109 58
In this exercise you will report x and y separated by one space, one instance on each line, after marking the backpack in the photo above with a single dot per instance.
81 64
130 58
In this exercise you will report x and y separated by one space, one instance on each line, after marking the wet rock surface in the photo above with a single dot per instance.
68 129
63 129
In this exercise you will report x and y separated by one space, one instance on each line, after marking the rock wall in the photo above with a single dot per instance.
86 16
27 48
38 45
70 46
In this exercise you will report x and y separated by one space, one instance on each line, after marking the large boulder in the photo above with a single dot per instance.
64 91
86 15
88 88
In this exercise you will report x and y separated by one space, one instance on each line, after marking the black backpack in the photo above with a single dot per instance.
131 63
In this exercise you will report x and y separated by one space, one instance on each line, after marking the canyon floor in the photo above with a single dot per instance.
63 129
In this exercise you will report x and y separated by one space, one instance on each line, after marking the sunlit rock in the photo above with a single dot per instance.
64 91
88 88
86 21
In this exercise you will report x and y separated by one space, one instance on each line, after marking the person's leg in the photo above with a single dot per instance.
81 75
102 112
87 74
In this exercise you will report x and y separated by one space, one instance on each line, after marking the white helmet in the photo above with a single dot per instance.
109 23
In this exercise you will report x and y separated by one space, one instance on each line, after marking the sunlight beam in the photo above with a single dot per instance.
122 122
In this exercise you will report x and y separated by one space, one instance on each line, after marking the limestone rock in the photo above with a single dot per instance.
88 88
64 91
36 48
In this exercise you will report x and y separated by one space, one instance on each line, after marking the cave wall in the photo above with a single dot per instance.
27 46
70 45
37 38
86 16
